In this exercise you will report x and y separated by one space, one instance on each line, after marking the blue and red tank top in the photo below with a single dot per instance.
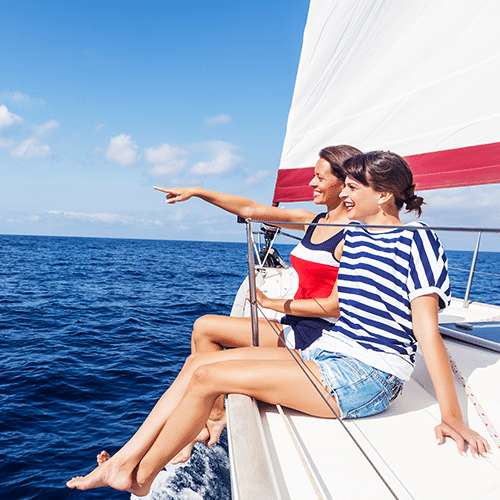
316 264
317 269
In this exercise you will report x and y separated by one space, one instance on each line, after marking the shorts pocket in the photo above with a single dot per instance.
395 387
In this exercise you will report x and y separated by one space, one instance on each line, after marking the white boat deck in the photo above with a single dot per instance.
399 442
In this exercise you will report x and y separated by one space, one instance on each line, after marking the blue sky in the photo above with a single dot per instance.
102 100
99 101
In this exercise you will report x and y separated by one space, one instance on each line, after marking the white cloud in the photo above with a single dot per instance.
257 177
218 120
122 150
223 159
468 198
6 143
103 218
177 215
22 218
33 147
166 160
473 206
39 130
21 99
99 127
7 119
99 217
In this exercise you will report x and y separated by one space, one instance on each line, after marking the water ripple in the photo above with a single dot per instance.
93 332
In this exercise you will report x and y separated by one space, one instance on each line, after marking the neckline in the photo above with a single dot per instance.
316 220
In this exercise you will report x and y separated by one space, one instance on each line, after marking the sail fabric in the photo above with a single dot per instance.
418 78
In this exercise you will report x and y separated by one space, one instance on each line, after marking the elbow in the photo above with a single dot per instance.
333 308
247 214
329 311
251 211
334 313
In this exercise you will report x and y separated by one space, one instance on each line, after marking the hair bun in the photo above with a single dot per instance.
414 202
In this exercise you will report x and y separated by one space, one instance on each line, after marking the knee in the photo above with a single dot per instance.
201 324
202 375
194 361
202 328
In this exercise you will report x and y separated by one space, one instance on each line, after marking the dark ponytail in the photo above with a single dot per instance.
413 202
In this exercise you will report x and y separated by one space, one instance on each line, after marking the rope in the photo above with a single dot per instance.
473 399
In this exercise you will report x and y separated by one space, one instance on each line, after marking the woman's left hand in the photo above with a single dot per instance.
463 437
260 298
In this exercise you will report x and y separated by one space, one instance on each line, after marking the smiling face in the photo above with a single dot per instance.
362 202
326 185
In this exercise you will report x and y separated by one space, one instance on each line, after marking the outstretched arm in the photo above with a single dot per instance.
313 308
239 205
425 327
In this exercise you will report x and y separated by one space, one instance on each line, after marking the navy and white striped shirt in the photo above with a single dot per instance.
381 272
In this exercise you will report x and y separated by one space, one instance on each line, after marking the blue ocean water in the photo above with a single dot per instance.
93 332
486 280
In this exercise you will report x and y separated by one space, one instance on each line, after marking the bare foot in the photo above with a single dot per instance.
185 453
208 435
104 474
102 457
215 427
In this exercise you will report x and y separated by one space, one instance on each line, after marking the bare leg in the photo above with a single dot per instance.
233 332
211 334
267 380
185 454
209 435
129 455
119 471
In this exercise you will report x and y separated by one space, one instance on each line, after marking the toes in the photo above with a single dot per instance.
103 457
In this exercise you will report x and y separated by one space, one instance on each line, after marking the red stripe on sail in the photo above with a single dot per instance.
469 166
293 185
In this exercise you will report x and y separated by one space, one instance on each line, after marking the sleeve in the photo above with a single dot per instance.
428 268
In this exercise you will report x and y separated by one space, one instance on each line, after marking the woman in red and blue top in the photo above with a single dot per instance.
316 260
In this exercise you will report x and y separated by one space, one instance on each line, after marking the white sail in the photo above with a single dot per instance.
412 76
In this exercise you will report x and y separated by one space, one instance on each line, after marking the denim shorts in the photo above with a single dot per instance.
359 389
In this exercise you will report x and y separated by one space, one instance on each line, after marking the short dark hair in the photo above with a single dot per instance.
336 155
385 171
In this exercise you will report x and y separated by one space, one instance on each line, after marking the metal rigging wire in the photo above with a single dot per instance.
402 226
